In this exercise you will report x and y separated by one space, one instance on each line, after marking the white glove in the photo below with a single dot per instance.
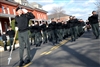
32 24
84 26
8 37
40 24
16 28
24 10
3 41
14 38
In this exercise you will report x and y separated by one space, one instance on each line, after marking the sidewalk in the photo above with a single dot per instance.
2 49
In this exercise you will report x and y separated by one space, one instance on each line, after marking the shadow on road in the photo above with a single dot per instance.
33 52
90 34
74 58
89 62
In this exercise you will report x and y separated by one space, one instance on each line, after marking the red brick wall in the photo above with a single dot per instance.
38 14
7 6
0 8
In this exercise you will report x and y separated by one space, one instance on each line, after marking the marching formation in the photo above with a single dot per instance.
43 31
56 30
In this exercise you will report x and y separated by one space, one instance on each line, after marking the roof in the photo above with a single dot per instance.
34 3
9 2
41 10
17 4
56 15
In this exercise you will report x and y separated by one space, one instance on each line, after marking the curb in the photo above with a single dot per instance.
2 49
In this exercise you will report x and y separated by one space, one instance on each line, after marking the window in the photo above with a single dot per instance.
41 16
8 10
14 11
44 16
3 9
38 15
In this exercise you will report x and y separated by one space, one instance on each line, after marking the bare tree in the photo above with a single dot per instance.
98 7
58 11
97 4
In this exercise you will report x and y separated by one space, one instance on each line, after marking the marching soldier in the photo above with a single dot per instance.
80 27
72 28
63 29
59 30
66 26
94 24
76 27
49 30
52 31
22 21
32 32
38 35
44 30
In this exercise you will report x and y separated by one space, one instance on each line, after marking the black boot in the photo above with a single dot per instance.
97 37
37 45
9 49
27 61
21 63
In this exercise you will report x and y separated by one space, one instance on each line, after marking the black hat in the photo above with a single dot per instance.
93 11
18 8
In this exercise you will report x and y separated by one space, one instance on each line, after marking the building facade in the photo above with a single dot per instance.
61 16
7 13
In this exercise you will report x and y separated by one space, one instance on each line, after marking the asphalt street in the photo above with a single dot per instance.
84 52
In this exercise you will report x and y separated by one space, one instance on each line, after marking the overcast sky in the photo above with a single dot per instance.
79 8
